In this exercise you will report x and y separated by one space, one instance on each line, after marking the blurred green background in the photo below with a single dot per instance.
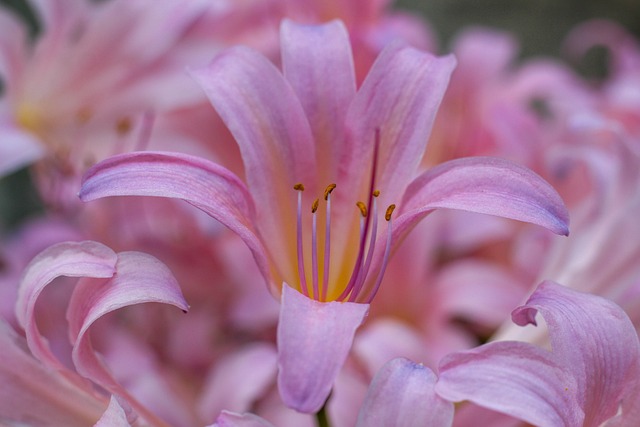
539 25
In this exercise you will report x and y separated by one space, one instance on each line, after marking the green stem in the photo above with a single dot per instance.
321 416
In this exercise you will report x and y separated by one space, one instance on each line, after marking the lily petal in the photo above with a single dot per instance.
400 96
140 278
114 416
73 259
595 340
314 339
231 419
32 394
315 58
238 380
18 149
402 394
266 119
205 185
514 378
484 185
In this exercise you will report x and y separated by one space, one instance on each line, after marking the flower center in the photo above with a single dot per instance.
362 272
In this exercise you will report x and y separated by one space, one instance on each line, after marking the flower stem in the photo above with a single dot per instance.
321 416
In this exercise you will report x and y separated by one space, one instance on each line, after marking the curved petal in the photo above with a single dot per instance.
73 259
266 119
140 278
400 96
596 342
514 378
205 185
402 394
32 394
484 185
314 339
318 63
231 419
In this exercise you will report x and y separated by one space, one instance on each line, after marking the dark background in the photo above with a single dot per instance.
539 25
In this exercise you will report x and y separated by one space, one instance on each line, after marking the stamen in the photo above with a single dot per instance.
363 209
373 231
303 280
328 190
390 210
357 268
385 258
314 249
327 240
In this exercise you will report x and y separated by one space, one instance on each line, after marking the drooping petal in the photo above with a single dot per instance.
207 186
400 96
484 185
514 378
314 339
114 416
402 394
140 279
596 341
318 63
231 419
266 119
32 394
73 259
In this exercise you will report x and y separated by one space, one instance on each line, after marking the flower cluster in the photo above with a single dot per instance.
310 140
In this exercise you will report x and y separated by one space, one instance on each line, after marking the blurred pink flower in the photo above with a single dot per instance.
108 281
591 376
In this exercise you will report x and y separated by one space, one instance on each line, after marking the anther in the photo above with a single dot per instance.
123 126
328 190
390 209
376 193
314 206
298 187
363 209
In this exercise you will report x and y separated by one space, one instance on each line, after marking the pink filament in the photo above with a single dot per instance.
301 273
314 255
385 262
327 247
364 271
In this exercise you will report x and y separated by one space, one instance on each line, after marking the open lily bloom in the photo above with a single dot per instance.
107 282
325 164
591 376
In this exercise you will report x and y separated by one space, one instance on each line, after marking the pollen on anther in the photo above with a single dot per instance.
376 193
363 208
314 206
298 187
328 190
387 215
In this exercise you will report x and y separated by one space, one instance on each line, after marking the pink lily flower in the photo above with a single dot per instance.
108 281
591 376
309 132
